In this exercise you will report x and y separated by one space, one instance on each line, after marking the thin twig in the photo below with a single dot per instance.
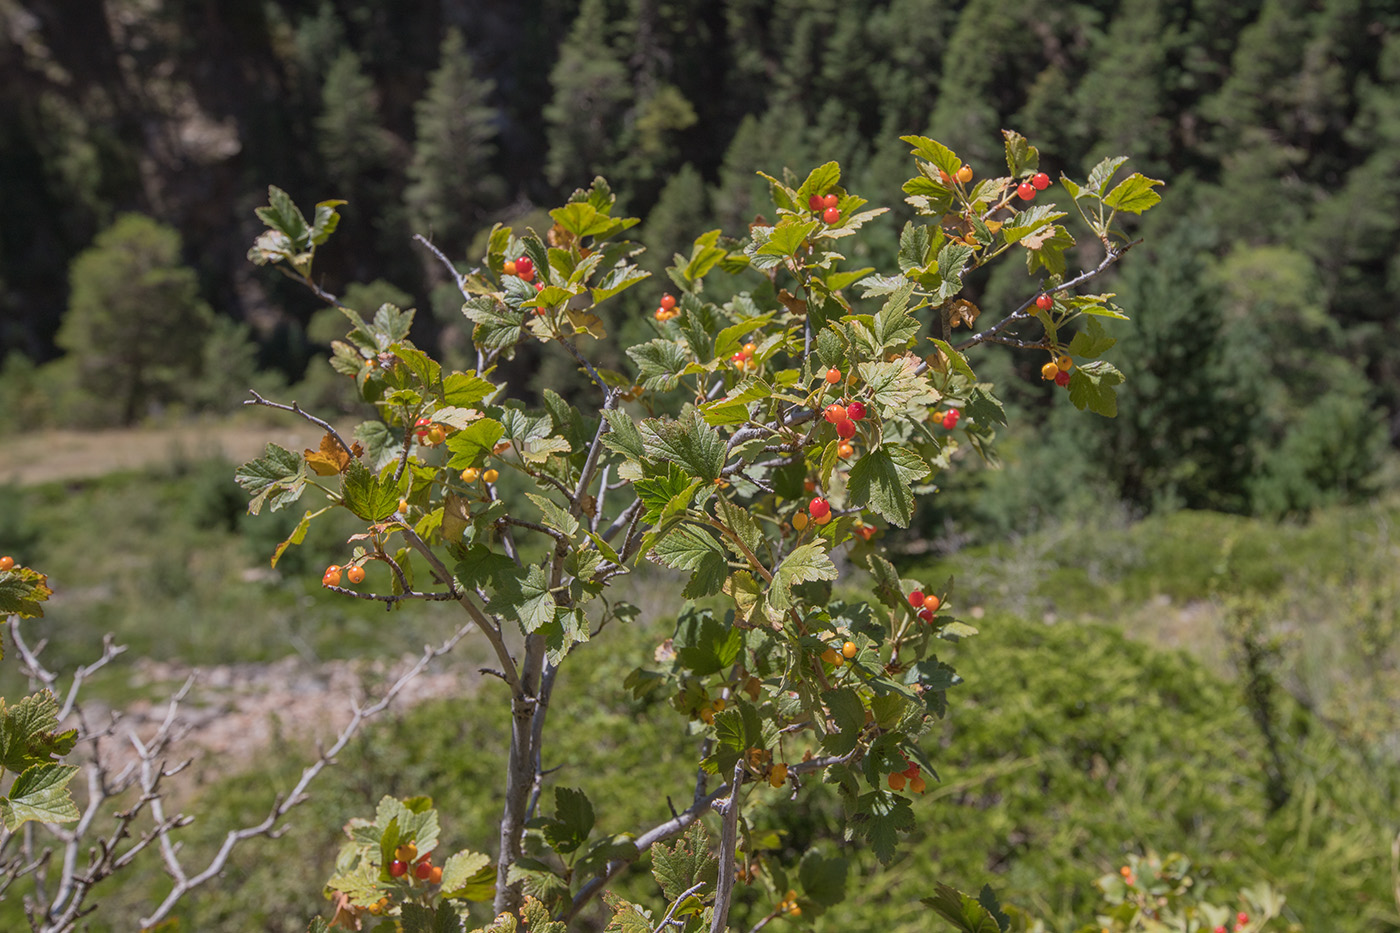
296 409
728 842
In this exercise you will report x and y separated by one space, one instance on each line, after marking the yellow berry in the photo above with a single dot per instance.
778 776
799 521
469 475
965 174
831 657
1049 371
849 649
1064 363
491 476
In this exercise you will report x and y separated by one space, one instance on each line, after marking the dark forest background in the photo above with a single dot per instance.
1263 363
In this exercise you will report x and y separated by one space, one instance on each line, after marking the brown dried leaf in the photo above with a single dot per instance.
795 305
331 458
963 312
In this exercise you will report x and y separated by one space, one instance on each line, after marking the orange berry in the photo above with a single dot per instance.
661 314
491 476
435 876
436 435
826 517
965 174
471 475
897 781
917 785
849 649
1125 871
845 450
7 562
799 521
403 505
1049 371
668 301
831 657
508 268
332 576
931 603
750 348
1063 363
406 852
833 375
810 485
778 776
355 574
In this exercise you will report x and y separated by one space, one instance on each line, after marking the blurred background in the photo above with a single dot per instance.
1190 613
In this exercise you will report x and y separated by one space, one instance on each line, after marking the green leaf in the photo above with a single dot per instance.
680 867
819 181
788 237
658 492
1092 342
469 876
27 732
703 644
327 218
391 325
915 247
572 822
803 565
1021 157
282 215
418 918
623 436
880 817
296 537
895 325
823 879
1028 221
952 261
881 480
695 549
849 715
688 442
22 589
366 495
963 911
473 444
466 390
528 597
985 408
1102 173
896 387
1134 194
954 358
618 279
1046 249
1091 386
626 916
704 256
660 363
41 794
278 478
931 150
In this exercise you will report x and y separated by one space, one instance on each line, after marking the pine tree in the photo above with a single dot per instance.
592 94
450 181
348 132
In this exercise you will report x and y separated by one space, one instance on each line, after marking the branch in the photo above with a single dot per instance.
296 409
284 803
458 278
728 840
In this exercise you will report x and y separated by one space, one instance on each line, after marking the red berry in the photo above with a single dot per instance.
950 419
422 426
1040 181
398 868
912 770
916 598
539 287
524 268
833 375
668 301
1044 302
831 215
856 411
815 202
835 414
846 429
1220 929
1242 917
830 201
1025 191
819 507
1062 378
926 615
423 869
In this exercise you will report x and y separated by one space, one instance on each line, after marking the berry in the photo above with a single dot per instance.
778 776
830 201
7 562
809 484
1044 302
856 411
403 505
950 418
1242 917
508 267
1025 191
1062 379
916 598
435 876
912 770
1221 929
1040 181
816 202
406 852
831 657
661 315
525 268
423 869
471 475
799 521
917 785
866 532
846 429
835 413
1049 371
896 781
355 574
539 287
819 507
965 174
398 868
833 375
926 615
931 603
668 301
824 519
749 349
331 577
945 178
831 215
1064 363
491 476
421 426
849 649
1125 871
845 450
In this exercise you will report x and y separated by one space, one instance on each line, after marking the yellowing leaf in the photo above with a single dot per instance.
331 458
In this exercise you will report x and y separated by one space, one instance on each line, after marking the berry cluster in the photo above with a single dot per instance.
1057 370
819 509
949 419
423 868
743 360
827 206
963 174
521 267
844 417
788 905
428 432
924 605
1241 921
667 309
472 474
1038 182
911 776
353 573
